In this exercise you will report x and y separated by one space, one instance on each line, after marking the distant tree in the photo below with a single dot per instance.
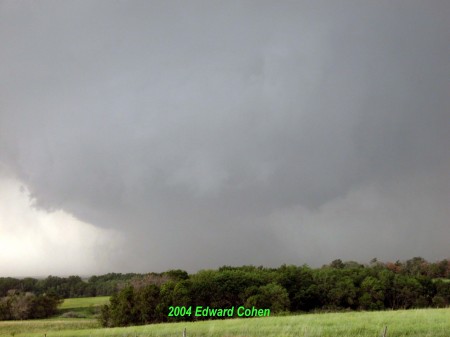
300 285
443 268
181 295
337 264
442 293
44 306
407 290
105 316
146 301
439 302
230 285
21 305
5 309
354 265
7 284
416 266
166 292
177 274
204 289
372 294
28 284
386 278
394 267
140 281
271 296
122 309
343 294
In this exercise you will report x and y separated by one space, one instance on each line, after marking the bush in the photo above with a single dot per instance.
439 301
19 305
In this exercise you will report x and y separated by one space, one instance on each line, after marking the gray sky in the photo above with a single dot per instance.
144 136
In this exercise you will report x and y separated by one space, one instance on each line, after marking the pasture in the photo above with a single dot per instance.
84 307
401 323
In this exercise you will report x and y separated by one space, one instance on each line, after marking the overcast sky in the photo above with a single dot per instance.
150 135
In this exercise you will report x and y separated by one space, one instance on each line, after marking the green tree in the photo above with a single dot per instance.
177 274
105 316
21 305
122 308
372 294
343 293
337 264
147 300
300 285
5 309
44 306
204 288
271 296
165 300
406 291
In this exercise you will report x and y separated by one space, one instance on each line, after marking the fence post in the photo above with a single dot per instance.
385 331
184 332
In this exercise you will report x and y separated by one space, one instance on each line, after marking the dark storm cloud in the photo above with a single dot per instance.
193 127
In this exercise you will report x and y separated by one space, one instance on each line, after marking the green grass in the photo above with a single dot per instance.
39 327
445 280
87 307
83 302
402 323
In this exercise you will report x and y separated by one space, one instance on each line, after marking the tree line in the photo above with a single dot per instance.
146 298
67 287
337 286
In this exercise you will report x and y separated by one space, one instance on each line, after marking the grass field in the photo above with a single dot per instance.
84 302
86 307
39 327
402 323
